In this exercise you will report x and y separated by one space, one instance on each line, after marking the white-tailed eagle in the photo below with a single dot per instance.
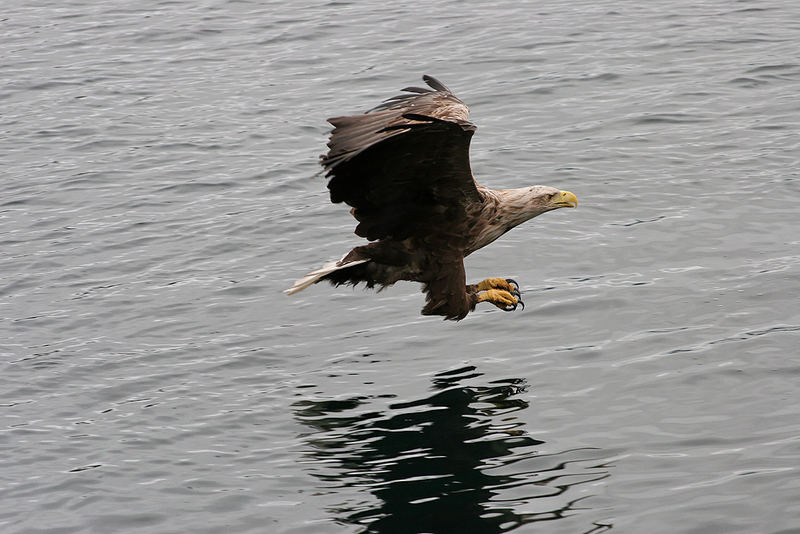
404 168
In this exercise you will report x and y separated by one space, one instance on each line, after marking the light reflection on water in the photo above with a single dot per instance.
459 460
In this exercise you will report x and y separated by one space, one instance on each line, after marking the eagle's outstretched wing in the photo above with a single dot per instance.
404 166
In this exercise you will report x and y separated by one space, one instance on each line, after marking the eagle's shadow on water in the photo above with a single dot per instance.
457 461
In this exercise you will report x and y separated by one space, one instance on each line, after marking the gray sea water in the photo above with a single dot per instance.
160 188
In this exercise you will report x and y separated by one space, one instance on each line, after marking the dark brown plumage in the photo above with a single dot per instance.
404 168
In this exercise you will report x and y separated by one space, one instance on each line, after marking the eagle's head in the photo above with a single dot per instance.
544 198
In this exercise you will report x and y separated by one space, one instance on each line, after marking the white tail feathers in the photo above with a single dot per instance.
315 276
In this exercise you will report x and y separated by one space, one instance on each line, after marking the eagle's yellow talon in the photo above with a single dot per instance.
500 298
506 284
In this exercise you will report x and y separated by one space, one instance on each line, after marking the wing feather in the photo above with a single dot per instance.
404 166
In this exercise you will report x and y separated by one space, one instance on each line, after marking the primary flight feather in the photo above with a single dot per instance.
404 168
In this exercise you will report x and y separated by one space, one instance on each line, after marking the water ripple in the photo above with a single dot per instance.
161 188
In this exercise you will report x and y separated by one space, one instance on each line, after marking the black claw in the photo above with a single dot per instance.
514 288
521 303
512 307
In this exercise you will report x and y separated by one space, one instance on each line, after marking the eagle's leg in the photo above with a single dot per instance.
502 292
506 284
501 298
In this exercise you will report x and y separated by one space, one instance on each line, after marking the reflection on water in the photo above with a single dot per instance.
458 460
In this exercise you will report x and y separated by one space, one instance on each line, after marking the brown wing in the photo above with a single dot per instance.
404 166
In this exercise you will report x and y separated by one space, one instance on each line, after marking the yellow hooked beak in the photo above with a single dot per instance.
565 199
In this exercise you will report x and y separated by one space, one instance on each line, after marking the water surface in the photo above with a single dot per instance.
161 189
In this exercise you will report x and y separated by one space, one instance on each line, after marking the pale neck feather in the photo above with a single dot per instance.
506 208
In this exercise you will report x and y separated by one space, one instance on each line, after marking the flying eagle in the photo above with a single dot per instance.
404 168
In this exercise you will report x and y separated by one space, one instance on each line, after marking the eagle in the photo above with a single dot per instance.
403 167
